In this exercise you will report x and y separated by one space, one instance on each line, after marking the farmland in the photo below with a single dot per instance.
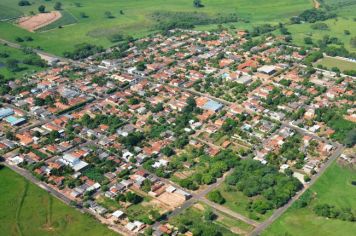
28 210
136 18
335 188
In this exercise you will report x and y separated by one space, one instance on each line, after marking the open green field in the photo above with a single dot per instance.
28 210
345 10
330 62
193 219
334 188
238 202
137 19
18 55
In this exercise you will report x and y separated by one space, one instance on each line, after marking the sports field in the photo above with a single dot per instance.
27 210
136 18
333 188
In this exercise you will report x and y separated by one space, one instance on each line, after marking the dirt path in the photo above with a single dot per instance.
19 208
316 4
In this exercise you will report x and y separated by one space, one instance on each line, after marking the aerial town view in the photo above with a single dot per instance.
178 117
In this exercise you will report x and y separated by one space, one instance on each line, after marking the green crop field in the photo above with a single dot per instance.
137 19
28 210
333 188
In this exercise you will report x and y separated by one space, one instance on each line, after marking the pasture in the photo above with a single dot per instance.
7 54
136 18
28 210
330 62
334 188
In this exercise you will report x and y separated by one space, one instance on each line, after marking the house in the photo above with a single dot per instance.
212 106
266 69
4 112
74 162
118 214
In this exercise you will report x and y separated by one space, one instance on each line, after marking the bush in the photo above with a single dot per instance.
319 26
24 3
216 197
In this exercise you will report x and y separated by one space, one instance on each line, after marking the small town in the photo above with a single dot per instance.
164 134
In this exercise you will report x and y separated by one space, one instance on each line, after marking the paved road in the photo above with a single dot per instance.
281 210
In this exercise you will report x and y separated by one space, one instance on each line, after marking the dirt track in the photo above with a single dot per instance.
32 23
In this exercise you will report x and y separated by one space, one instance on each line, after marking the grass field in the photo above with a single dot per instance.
18 55
238 202
137 19
345 10
329 63
28 210
193 218
66 19
334 188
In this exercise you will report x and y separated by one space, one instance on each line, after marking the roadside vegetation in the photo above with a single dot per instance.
308 216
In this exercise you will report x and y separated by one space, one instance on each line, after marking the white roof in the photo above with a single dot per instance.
118 213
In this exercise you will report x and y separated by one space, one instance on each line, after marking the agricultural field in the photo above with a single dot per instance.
96 23
333 188
28 210
7 54
330 62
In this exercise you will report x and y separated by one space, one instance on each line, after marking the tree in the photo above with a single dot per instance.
83 15
308 40
13 65
353 42
42 9
350 139
216 197
108 14
209 215
24 3
141 66
197 3
57 6
133 198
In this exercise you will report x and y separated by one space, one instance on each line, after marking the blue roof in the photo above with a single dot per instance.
14 120
6 112
212 105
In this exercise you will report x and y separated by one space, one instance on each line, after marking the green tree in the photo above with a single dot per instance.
42 9
216 197
57 6
197 3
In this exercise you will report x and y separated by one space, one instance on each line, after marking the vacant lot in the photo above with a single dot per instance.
194 219
98 21
238 202
28 210
329 63
334 188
